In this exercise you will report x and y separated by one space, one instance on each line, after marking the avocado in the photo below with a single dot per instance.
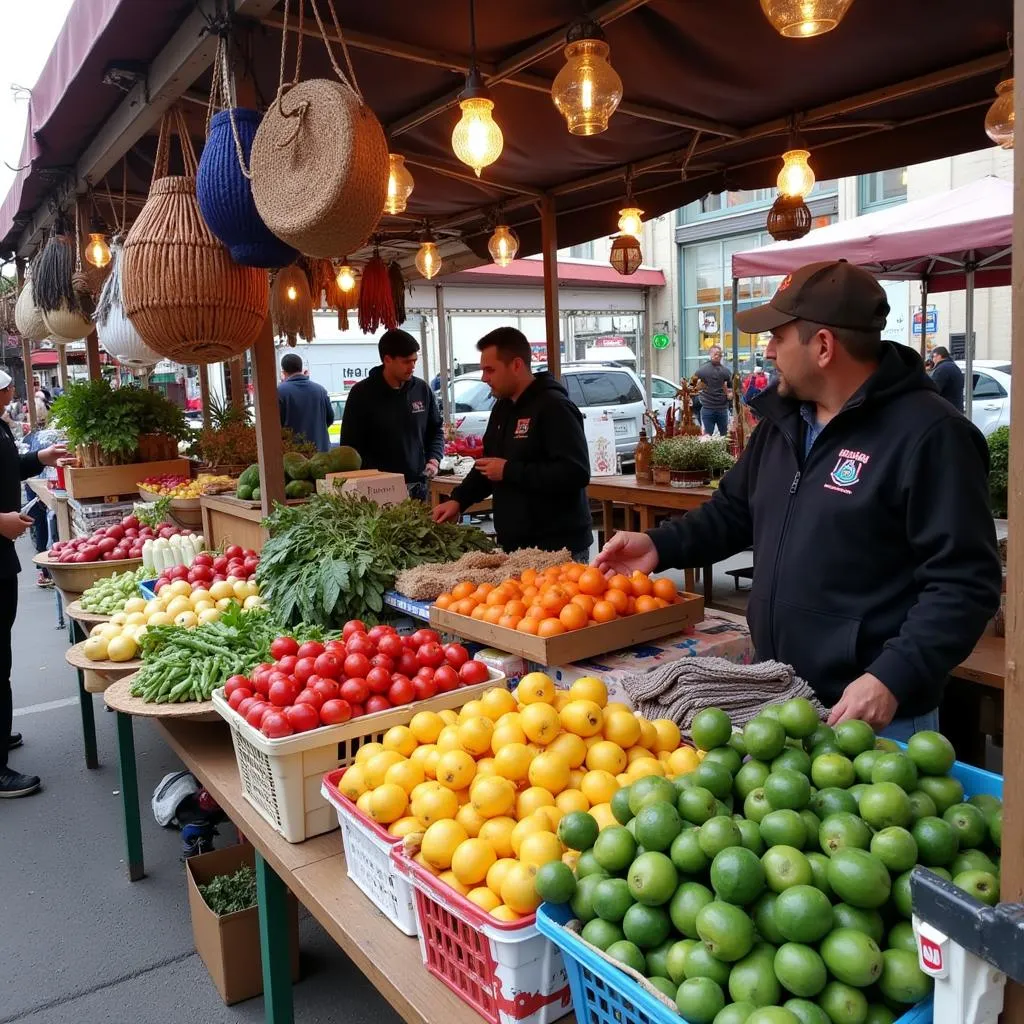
298 489
296 466
344 459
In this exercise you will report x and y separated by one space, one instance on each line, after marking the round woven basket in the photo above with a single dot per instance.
65 326
320 168
27 316
116 333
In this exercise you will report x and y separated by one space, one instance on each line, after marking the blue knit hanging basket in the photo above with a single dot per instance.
225 196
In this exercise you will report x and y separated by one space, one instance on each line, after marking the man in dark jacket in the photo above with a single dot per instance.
866 499
391 418
948 377
13 469
535 463
304 405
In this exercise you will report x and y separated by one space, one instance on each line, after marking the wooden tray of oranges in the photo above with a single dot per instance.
566 613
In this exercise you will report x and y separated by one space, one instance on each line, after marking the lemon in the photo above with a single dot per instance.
540 848
471 709
549 771
535 688
401 739
423 863
405 827
504 735
95 648
449 717
589 688
471 861
497 871
470 819
352 784
422 755
503 913
498 832
637 752
599 786
602 814
181 588
406 774
475 735
512 762
426 726
202 594
427 786
669 736
449 739
367 750
540 723
134 604
531 799
435 805
496 702
606 756
582 718
363 803
376 768
648 734
562 697
572 747
388 803
205 616
455 769
570 800
518 891
616 705
122 648
483 898
552 813
187 619
218 590
645 766
493 796
449 878
484 767
621 727
527 826
440 842
159 619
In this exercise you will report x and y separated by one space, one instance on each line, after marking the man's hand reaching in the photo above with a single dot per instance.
627 552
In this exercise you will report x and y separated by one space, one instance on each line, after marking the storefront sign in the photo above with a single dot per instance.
660 341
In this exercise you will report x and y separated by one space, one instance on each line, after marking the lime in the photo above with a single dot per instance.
995 828
652 879
726 931
819 868
682 782
689 900
686 853
763 913
858 791
663 985
887 745
700 1000
864 764
799 718
555 882
973 860
578 830
737 876
922 806
867 921
937 842
620 805
783 828
715 777
601 933
701 964
833 770
773 1015
843 831
582 902
812 823
807 1012
901 936
787 789
833 800
852 957
968 823
751 776
982 885
828 747
657 959
724 806
765 738
675 962
611 899
784 867
896 848
710 728
902 980
896 768
843 1003
901 898
854 737
986 803
614 849
803 914
823 734
795 759
627 953
931 752
656 826
647 927
800 969
695 804
859 878
878 1014
728 757
735 1013
587 865
718 833
649 790
753 980
737 744
750 835
884 804
756 805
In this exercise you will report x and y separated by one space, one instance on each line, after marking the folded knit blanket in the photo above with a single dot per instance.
682 688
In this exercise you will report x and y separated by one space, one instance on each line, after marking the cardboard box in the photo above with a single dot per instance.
383 488
230 945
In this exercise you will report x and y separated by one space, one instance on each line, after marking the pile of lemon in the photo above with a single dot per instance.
487 786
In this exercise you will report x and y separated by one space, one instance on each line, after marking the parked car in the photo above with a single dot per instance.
990 408
334 430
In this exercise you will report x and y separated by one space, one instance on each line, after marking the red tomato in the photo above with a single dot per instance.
303 717
401 690
378 680
220 563
283 646
456 655
353 626
426 636
335 712
235 683
473 672
360 643
233 551
304 668
287 664
275 726
358 710
357 666
202 572
446 679
424 688
251 565
261 682
384 662
310 649
178 572
407 664
203 559
330 666
426 672
391 645
116 531
380 631
238 695
308 696
327 688
431 654
254 716
377 703
282 693
356 691
408 643
336 647
245 706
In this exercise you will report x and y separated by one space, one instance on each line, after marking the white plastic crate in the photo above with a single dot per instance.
368 859
282 778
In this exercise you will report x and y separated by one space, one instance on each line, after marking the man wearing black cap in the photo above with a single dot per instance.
865 496
391 418
948 378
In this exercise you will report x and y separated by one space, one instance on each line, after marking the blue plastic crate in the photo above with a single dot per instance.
147 588
603 995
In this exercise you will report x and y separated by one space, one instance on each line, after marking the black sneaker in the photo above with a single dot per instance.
14 741
14 784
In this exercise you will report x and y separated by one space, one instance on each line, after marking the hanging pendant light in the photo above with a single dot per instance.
626 256
428 259
97 250
630 216
400 185
788 219
796 179
503 245
476 139
588 89
801 19
999 120
346 277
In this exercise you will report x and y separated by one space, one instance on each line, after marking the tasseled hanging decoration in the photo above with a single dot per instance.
52 271
323 284
291 306
397 289
376 304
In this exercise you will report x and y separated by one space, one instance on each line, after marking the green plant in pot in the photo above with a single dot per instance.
690 460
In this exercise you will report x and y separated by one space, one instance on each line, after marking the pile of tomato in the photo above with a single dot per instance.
317 684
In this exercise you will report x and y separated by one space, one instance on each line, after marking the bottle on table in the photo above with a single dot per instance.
644 452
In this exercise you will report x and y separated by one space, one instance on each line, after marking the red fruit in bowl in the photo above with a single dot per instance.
283 646
425 672
360 643
358 710
245 706
336 647
474 672
237 696
236 683
220 563
254 716
378 680
353 626
456 655
357 666
287 664
407 663
309 696
233 551
327 688
377 632
377 703
391 645
275 725
424 688
303 717
335 712
304 668
310 649
356 691
446 679
330 666
431 654
401 690
384 662
203 559
282 693
426 636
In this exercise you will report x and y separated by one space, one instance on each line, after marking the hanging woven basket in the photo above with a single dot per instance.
291 306
187 298
65 325
116 333
27 316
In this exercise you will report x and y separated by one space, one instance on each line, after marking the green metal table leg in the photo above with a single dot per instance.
275 948
130 796
88 722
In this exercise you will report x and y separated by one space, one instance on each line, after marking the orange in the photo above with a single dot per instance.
550 627
470 819
388 803
495 702
618 599
493 796
604 611
449 878
599 786
681 761
498 832
407 774
512 761
376 767
435 805
507 914
668 735
585 601
571 800
529 593
539 848
665 589
463 607
492 614
528 826
606 756
620 727
483 898
479 612
540 722
645 766
536 612
518 891
402 739
528 576
440 842
648 734
532 799
462 590
455 769
642 585
443 600
644 603
591 582
498 596
570 746
575 571
620 582
475 735
572 616
515 607
554 600
426 726
528 625
549 771
472 860
582 717
661 602
509 621
535 688
405 827
484 589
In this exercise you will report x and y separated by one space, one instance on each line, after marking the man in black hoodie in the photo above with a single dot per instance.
391 418
865 496
535 460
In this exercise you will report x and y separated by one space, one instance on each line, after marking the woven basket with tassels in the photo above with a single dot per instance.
117 334
187 298
27 317
291 306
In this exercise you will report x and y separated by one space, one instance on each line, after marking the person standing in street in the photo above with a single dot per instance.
948 377
717 394
304 405
392 419
13 469
874 573
536 463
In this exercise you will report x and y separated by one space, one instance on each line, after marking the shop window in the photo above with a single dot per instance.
582 252
884 188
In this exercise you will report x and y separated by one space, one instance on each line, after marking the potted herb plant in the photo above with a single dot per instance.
689 460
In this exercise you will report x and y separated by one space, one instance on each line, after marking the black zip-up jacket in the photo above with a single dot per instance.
395 430
877 553
542 499
13 469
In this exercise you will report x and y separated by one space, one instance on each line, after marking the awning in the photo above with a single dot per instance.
45 357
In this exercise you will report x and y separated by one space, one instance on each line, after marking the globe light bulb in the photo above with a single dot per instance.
630 221
428 259
503 245
346 278
97 252
292 293
801 19
587 90
1000 116
477 139
796 177
400 185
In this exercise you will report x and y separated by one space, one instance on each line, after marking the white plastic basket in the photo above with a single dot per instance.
282 778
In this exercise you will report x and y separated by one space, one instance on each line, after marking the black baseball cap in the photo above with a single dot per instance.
834 293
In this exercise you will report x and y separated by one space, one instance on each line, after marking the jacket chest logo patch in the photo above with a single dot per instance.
416 406
522 428
846 472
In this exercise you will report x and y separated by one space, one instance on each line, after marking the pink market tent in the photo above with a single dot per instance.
955 240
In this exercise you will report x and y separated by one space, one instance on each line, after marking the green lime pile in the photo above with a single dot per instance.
771 885
107 596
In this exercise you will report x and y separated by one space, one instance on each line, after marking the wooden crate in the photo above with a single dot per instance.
228 520
580 644
106 481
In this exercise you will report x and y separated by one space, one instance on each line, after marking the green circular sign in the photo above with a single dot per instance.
661 341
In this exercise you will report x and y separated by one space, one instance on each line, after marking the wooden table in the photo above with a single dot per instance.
441 487
972 705
315 872
986 664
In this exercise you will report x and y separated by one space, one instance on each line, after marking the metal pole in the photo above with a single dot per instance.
735 328
969 339
423 349
924 317
442 353
648 352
